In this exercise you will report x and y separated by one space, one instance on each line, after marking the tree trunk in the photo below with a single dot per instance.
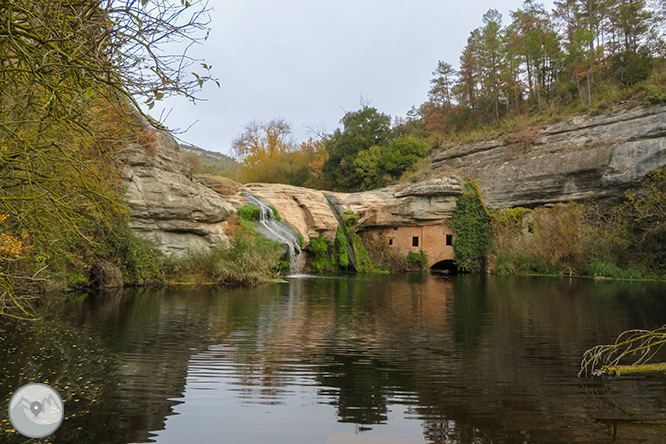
580 90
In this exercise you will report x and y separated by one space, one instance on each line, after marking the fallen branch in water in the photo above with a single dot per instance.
619 370
639 345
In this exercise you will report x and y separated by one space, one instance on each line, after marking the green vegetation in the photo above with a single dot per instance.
322 252
470 222
416 261
249 212
327 257
276 215
367 153
341 255
624 242
247 260
363 261
71 76
583 56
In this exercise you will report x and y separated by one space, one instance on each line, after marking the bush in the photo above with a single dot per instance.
416 261
249 212
625 242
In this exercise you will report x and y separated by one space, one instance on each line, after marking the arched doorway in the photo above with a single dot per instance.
447 266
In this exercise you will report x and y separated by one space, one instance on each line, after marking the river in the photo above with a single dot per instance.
385 359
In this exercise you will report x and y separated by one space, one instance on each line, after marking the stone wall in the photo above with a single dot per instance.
431 239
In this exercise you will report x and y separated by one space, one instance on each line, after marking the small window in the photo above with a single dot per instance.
449 239
395 228
390 241
415 241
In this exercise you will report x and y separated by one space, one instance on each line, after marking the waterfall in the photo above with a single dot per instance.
273 229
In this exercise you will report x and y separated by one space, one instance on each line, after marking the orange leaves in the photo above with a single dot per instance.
10 246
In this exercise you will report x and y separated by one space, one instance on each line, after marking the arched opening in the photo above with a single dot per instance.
447 266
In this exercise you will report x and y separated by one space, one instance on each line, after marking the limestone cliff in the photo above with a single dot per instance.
308 211
181 212
575 159
166 204
581 157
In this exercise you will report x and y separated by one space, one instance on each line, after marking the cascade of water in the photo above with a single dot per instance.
281 232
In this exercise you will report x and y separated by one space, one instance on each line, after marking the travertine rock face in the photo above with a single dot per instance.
304 209
423 203
579 158
183 213
166 203
309 212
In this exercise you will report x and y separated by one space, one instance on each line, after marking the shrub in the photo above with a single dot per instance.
416 261
249 212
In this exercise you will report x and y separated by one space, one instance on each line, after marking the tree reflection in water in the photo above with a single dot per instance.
401 357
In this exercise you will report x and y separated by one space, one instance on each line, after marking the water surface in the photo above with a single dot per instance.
367 359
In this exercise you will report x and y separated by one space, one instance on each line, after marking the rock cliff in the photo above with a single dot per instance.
168 205
581 157
309 212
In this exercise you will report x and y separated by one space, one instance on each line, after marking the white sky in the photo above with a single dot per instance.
309 61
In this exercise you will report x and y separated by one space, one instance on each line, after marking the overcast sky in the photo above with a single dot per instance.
309 61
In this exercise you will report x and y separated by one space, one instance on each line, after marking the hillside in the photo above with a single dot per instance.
211 162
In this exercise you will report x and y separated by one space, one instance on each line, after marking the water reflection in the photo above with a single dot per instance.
390 359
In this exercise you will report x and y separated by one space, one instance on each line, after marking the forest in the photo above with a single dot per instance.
583 56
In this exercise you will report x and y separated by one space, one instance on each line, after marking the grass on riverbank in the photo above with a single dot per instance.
248 259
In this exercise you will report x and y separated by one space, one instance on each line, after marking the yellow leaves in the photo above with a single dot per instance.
10 245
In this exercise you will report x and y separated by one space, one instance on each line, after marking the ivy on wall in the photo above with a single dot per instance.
471 224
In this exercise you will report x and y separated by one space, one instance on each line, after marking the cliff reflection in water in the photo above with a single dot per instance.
400 358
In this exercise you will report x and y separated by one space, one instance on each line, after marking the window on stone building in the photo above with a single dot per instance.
449 239
390 241
415 241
